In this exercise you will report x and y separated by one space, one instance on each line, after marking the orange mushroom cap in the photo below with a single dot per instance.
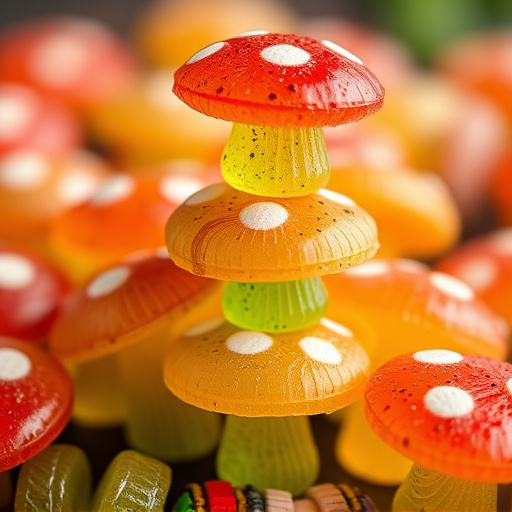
125 304
447 412
231 235
220 367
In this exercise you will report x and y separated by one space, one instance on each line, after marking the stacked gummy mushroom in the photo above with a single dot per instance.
271 231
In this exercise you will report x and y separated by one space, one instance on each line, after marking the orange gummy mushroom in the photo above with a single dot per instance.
451 415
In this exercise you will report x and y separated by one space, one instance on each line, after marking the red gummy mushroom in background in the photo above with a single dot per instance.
77 60
36 398
31 292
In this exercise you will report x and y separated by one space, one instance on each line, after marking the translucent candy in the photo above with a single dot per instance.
58 478
275 162
133 481
269 452
275 307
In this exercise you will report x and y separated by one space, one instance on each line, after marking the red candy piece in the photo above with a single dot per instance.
278 80
220 496
36 398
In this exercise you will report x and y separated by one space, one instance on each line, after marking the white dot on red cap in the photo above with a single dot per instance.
501 241
108 281
411 266
75 187
207 194
252 33
14 364
479 273
205 327
448 402
249 342
320 350
23 170
112 191
60 60
205 52
177 189
451 286
337 198
336 327
341 51
285 55
263 216
17 110
438 356
16 271
374 268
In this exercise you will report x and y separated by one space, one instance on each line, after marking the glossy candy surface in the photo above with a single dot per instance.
36 398
227 234
314 370
278 80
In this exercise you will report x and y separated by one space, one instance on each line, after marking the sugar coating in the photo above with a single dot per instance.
438 356
479 273
336 327
448 402
451 286
249 342
113 191
205 52
341 51
372 268
320 350
108 281
16 272
23 170
205 327
285 55
177 189
263 216
14 364
75 187
337 198
16 112
207 194
60 60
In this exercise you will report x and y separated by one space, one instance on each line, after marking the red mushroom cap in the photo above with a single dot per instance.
447 412
36 399
286 80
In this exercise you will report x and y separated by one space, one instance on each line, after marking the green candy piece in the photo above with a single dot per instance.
275 307
184 503
56 479
133 481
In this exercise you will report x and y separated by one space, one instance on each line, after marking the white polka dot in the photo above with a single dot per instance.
373 268
479 273
16 272
17 111
112 191
162 253
60 60
249 342
13 364
509 386
252 33
320 350
411 266
23 170
177 189
501 241
285 55
448 402
207 194
74 187
205 52
108 281
263 216
336 327
438 356
341 51
337 198
451 286
205 327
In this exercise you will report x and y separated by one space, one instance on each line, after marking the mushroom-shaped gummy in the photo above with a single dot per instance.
451 415
36 399
135 309
394 307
